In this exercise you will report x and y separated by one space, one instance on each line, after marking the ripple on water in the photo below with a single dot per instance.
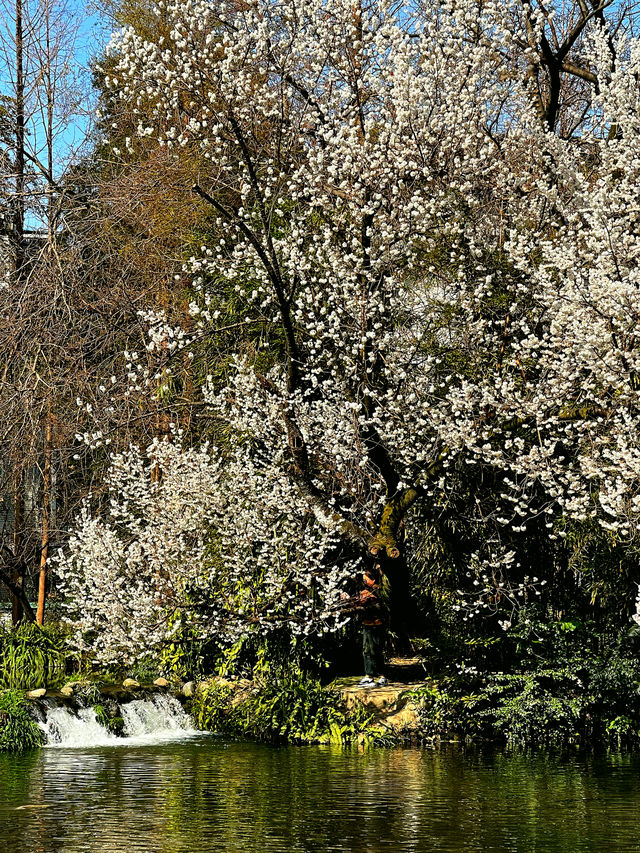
206 794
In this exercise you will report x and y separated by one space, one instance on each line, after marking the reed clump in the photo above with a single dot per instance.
31 656
18 731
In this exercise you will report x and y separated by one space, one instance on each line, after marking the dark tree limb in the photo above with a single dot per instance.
386 539
301 471
18 592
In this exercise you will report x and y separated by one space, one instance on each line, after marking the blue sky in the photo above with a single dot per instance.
76 110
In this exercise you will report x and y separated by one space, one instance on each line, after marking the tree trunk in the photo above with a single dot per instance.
17 577
18 211
162 428
46 505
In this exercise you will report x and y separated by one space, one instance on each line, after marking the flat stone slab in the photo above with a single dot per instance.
391 705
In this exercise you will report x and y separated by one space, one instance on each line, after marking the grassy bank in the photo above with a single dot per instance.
591 702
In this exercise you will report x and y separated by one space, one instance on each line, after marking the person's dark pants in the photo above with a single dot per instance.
373 637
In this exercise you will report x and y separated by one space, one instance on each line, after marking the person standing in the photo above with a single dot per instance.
372 606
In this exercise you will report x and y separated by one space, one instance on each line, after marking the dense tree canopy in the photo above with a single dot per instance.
334 282
412 312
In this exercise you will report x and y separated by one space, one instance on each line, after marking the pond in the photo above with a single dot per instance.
201 793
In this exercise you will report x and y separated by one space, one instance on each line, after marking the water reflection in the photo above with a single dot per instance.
209 795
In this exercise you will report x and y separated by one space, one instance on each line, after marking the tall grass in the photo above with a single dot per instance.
31 656
18 731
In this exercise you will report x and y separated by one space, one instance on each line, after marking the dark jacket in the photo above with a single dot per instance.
371 605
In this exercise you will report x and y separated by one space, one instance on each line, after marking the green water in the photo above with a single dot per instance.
210 795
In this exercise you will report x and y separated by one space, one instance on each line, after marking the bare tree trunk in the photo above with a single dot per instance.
46 506
18 211
50 96
17 610
48 442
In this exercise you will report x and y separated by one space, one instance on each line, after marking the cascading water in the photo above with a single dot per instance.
163 715
156 719
64 727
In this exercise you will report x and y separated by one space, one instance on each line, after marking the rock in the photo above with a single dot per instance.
36 694
161 682
189 689
67 690
406 670
130 683
392 706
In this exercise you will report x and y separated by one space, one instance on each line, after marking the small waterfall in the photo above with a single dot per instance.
64 727
156 719
159 718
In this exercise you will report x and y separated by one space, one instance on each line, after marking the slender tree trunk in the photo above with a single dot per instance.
18 212
46 505
50 96
162 428
17 610
48 442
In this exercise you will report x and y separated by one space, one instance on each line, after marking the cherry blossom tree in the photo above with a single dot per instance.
429 217
150 569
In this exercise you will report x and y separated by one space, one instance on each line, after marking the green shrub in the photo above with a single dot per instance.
89 692
212 709
547 706
144 670
291 706
446 710
31 656
18 732
589 700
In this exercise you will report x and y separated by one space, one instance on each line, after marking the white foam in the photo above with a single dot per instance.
77 729
161 718
157 719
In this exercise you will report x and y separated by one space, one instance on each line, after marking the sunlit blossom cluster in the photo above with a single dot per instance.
457 285
182 552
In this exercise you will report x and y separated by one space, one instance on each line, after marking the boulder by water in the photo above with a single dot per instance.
392 706
36 694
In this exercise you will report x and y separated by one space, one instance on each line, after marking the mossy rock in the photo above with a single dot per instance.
116 726
107 715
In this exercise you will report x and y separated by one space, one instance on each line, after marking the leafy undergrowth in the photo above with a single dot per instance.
587 701
289 707
32 656
18 731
